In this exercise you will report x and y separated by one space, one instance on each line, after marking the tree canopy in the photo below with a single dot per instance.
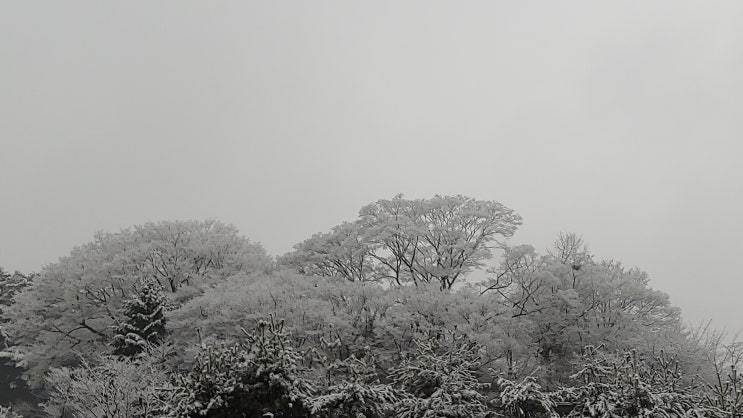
71 306
371 319
408 241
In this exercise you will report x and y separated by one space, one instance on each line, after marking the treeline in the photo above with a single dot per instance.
378 317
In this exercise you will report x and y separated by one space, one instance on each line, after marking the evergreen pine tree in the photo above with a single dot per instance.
258 378
441 380
355 390
144 321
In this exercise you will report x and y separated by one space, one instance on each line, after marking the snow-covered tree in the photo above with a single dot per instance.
113 387
312 307
525 398
7 412
357 400
566 300
10 285
724 386
144 320
358 393
73 303
260 376
11 384
439 239
726 393
627 385
458 232
395 236
441 381
343 253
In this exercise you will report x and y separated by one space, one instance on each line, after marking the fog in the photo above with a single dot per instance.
619 122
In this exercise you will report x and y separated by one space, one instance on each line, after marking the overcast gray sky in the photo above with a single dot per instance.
619 121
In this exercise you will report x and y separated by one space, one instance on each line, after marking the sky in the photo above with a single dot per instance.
618 121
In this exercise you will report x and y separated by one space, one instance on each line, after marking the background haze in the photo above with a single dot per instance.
620 122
